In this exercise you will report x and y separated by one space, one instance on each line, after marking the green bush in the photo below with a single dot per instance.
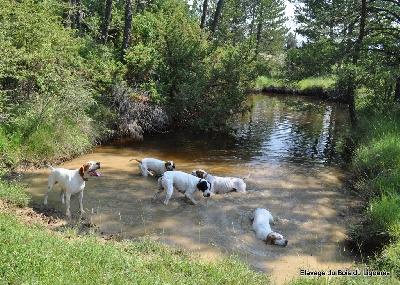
45 92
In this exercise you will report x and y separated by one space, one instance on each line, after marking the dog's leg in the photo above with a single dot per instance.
143 170
169 191
49 188
190 197
62 195
160 189
67 202
80 202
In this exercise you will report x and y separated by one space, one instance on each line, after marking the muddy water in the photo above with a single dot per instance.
293 161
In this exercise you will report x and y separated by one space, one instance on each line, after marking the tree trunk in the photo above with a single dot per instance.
397 90
128 27
216 16
107 21
259 31
356 56
204 14
79 17
66 14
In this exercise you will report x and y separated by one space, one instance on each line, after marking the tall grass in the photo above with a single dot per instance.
376 166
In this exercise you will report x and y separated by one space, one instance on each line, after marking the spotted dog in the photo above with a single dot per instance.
222 185
261 219
154 167
184 183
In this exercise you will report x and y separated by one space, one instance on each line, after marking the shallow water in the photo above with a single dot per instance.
293 163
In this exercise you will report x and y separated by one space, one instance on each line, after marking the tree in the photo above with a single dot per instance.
204 14
361 29
217 15
127 28
107 21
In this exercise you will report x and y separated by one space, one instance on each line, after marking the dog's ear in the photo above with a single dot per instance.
82 172
200 174
202 185
270 239
86 166
83 169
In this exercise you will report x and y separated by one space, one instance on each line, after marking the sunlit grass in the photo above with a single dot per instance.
325 82
376 166
13 193
31 255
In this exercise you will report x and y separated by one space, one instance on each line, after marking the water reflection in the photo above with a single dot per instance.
278 131
273 131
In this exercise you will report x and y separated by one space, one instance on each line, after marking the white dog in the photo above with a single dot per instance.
154 166
71 182
221 185
184 183
261 219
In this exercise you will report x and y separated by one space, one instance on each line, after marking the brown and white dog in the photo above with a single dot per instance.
71 182
221 185
154 167
261 219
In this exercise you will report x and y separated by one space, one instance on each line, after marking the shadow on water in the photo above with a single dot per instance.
292 154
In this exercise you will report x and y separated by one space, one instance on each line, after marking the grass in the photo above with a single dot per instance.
325 82
376 168
32 255
13 194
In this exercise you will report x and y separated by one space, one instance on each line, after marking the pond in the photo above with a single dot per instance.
291 147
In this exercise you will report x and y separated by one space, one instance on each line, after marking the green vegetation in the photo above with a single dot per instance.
13 194
325 82
69 78
376 169
31 255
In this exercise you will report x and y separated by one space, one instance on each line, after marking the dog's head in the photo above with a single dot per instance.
89 167
205 187
200 173
276 239
169 165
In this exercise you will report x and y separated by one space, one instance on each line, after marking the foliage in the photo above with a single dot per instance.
311 60
31 255
43 79
362 43
376 176
384 214
389 259
200 84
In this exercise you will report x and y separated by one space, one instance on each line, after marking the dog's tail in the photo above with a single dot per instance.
49 166
136 160
248 175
